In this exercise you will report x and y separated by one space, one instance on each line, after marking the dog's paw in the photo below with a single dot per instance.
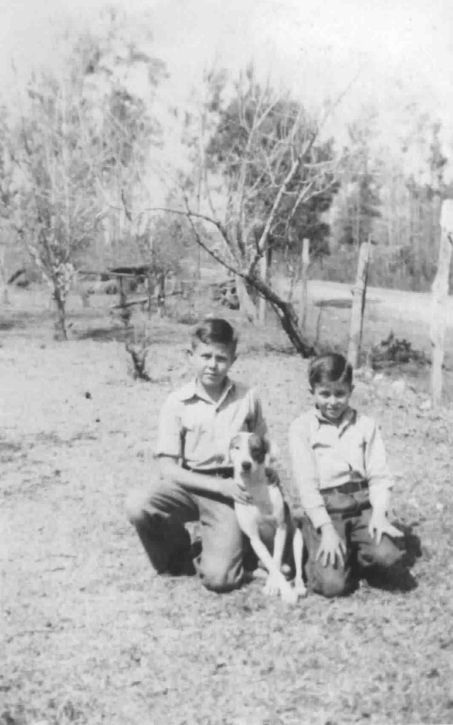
300 589
272 586
289 595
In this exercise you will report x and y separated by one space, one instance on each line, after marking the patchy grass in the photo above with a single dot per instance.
90 636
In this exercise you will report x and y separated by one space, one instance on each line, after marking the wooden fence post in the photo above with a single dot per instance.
264 267
305 263
4 297
439 290
358 304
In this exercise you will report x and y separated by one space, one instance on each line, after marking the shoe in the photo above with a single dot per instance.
182 560
181 564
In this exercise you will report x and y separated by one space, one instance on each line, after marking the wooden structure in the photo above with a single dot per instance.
147 273
264 267
440 290
358 304
303 300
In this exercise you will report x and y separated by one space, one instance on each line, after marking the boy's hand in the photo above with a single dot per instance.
331 547
379 525
232 489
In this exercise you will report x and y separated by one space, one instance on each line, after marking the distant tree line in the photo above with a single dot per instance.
254 175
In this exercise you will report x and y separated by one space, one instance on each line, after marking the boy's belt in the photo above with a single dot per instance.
220 472
350 487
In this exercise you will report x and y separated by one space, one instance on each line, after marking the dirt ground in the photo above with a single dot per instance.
90 636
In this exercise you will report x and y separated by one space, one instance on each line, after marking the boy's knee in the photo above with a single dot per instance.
331 582
335 586
218 578
136 507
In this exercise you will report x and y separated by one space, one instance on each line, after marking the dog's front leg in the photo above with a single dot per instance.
298 547
265 557
276 581
281 535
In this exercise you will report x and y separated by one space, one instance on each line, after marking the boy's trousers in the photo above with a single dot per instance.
159 514
350 514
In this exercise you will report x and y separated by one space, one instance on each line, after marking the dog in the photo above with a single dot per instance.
248 453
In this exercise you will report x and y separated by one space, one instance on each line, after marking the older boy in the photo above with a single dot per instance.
340 468
195 480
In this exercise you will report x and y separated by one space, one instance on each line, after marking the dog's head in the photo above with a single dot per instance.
248 452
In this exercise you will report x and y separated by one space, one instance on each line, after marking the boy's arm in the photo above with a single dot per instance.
305 473
170 452
378 474
381 483
306 476
198 483
202 484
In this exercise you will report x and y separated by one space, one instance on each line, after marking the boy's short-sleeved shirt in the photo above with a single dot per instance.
325 456
198 431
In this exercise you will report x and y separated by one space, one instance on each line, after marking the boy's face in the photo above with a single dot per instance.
211 362
332 399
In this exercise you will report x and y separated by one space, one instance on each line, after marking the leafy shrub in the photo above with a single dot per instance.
395 351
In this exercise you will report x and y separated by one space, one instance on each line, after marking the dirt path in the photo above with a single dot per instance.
408 306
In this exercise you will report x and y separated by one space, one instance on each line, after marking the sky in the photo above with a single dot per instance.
410 36
363 50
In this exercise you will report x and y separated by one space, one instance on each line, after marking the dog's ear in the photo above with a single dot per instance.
272 454
258 447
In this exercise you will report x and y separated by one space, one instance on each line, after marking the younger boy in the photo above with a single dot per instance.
340 469
194 480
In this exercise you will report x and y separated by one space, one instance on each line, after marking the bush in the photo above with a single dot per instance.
395 351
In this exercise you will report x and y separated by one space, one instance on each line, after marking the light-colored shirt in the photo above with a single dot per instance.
197 430
325 455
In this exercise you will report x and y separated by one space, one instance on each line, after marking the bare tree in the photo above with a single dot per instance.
265 170
8 192
56 209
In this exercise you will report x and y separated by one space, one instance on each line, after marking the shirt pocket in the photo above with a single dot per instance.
353 451
197 431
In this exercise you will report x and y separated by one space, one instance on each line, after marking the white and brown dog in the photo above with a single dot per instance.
248 453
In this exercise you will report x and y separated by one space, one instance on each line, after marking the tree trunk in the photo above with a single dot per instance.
305 262
161 294
150 291
286 314
125 311
439 312
358 305
60 305
246 304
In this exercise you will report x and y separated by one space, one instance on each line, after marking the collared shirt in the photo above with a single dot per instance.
197 430
325 455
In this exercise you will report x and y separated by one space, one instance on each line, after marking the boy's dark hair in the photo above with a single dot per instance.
215 330
330 368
